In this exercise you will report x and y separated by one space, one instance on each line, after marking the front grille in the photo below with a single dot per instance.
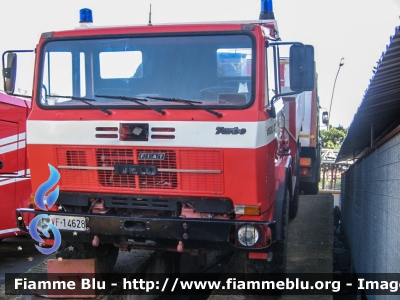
163 180
109 157
202 182
87 161
76 157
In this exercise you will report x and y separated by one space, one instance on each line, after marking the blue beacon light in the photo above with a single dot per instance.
85 15
267 12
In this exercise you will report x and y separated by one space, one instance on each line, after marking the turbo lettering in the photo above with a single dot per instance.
235 130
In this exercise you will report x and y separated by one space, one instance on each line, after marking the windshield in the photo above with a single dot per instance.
212 70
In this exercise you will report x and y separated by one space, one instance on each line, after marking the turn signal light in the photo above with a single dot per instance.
253 210
305 161
303 171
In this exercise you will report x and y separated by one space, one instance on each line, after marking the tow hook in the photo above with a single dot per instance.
180 247
96 241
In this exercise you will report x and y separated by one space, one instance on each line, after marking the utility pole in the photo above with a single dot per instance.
341 63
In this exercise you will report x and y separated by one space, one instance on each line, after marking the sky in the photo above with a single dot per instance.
356 30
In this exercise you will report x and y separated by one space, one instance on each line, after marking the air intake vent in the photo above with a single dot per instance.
162 137
76 158
163 133
106 128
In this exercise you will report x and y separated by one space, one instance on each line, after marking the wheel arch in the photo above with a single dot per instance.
283 180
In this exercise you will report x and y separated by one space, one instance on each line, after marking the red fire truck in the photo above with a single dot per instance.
169 137
310 155
15 185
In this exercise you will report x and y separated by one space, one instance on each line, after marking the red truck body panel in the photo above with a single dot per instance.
15 185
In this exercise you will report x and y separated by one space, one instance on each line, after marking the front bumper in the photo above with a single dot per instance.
154 232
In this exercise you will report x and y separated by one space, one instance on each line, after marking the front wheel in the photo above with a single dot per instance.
294 200
185 262
294 203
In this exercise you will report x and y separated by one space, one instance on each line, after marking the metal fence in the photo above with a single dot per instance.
330 175
370 207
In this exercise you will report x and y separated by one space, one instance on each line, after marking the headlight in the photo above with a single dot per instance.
248 235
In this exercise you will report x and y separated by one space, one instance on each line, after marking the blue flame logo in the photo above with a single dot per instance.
42 223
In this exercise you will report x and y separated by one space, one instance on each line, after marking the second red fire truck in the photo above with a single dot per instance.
309 139
15 185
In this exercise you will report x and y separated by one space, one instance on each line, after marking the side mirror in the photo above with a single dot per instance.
325 117
10 72
302 68
23 82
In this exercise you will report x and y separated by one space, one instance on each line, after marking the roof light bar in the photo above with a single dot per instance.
267 12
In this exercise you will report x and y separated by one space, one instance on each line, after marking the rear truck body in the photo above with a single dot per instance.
15 185
310 140
309 137
170 137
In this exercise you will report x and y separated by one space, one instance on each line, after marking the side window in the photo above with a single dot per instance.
270 75
234 62
121 64
69 82
54 81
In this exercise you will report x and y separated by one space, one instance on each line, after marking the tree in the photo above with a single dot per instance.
334 137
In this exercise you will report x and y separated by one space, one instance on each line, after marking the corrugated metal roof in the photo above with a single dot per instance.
379 111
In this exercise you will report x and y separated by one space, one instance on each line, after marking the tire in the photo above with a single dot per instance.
105 254
294 203
278 249
188 263
310 188
171 259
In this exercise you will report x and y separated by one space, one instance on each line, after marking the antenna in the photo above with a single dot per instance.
150 16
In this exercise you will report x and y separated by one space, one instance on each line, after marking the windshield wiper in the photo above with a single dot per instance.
189 102
84 100
133 99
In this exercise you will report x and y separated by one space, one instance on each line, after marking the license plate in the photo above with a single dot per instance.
69 223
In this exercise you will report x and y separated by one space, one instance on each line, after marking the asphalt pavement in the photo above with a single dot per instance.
18 255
